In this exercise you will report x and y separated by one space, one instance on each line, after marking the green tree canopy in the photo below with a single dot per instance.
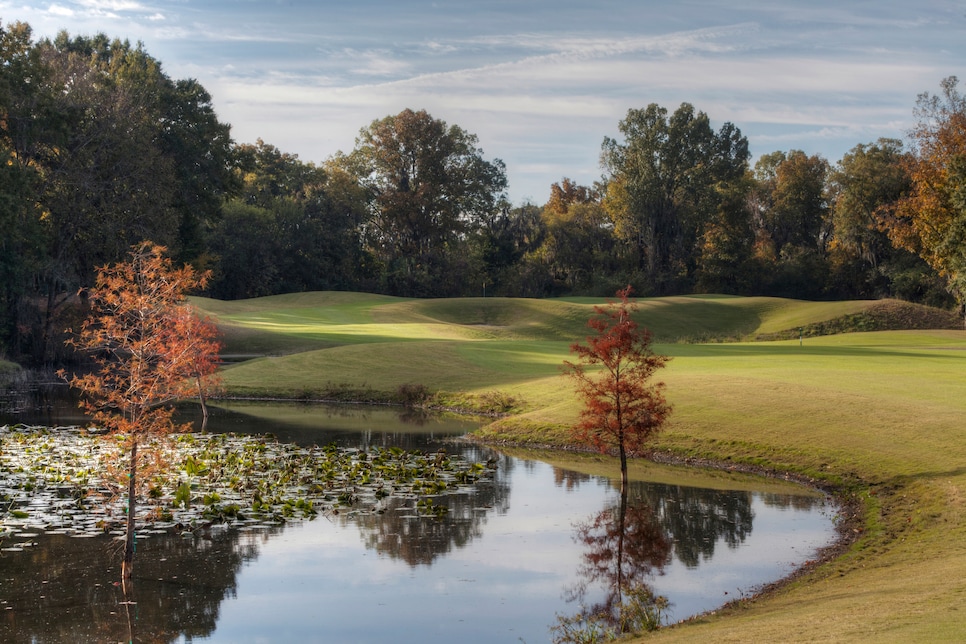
867 182
294 227
578 248
662 185
104 150
428 187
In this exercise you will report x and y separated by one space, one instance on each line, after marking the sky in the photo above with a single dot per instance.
540 83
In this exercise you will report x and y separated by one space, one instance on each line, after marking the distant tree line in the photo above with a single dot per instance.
104 150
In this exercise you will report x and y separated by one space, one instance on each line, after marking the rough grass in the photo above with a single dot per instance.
7 369
885 315
877 414
9 373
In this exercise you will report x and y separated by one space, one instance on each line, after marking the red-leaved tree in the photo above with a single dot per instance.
622 407
198 353
150 350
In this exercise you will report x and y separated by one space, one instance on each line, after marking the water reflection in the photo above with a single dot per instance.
697 519
398 532
39 400
342 424
629 543
497 566
624 546
569 480
65 589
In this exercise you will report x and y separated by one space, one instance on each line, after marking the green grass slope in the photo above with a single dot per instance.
878 413
323 344
303 321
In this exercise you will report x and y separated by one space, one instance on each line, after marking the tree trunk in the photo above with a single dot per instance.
127 567
204 404
130 610
622 519
43 351
623 453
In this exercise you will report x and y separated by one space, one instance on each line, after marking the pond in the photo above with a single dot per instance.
536 542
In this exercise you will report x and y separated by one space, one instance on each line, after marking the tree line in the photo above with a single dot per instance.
104 150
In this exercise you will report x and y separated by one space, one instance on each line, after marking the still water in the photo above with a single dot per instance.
536 542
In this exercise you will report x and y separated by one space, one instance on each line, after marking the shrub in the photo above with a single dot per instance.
412 395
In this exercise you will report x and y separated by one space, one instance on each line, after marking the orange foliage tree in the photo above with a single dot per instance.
931 219
623 409
197 352
150 350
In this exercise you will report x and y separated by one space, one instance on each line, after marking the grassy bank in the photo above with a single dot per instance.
7 370
876 413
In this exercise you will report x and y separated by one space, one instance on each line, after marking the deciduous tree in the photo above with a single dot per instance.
799 202
294 227
866 185
725 253
867 181
623 409
23 111
792 218
508 248
200 147
662 185
931 219
429 187
102 149
198 351
149 353
579 243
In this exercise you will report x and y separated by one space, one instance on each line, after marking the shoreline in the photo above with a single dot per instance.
849 525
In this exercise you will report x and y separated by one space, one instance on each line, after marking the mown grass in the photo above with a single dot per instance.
878 414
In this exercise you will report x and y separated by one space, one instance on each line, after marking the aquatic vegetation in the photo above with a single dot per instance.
64 479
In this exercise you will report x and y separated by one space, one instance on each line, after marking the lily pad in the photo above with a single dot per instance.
59 479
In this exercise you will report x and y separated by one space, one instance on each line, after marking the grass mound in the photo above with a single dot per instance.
340 346
286 324
885 315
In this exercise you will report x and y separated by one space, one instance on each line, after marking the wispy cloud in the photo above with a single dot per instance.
60 10
110 5
544 83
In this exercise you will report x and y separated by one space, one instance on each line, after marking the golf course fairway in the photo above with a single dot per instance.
875 416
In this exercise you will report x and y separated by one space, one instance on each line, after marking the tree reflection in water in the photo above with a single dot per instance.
625 544
177 590
633 540
399 531
569 480
63 589
697 518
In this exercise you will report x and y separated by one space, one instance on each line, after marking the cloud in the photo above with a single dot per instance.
60 10
379 62
110 8
111 5
547 105
538 86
